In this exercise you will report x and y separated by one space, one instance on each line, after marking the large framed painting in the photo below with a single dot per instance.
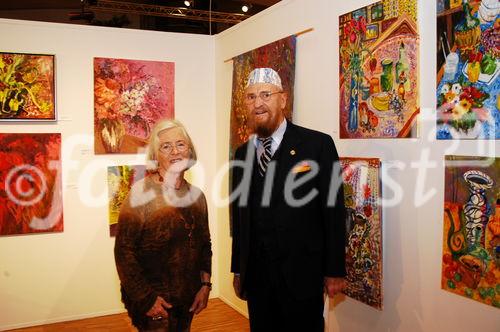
30 184
120 181
468 69
130 97
278 55
27 87
379 71
471 228
362 191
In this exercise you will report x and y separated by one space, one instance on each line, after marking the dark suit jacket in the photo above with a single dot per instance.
311 237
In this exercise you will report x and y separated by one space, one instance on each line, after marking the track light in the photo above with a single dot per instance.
246 7
188 3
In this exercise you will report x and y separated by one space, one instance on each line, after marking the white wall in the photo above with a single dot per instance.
413 300
62 276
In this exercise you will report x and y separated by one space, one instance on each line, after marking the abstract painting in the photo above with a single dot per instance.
471 234
27 89
30 184
130 97
468 69
379 72
280 56
362 191
120 180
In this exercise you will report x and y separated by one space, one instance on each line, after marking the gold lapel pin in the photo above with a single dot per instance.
292 152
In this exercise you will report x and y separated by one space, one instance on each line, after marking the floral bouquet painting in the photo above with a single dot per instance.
130 96
27 87
468 70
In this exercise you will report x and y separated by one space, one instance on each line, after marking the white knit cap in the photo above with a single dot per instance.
264 75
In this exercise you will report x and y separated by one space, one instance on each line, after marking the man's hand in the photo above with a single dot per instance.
200 300
237 287
159 309
334 286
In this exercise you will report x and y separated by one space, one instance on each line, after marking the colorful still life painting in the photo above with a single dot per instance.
362 193
280 56
130 97
379 72
120 180
30 184
27 90
468 69
471 237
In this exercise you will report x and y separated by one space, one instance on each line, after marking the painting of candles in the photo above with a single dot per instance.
468 66
379 83
471 236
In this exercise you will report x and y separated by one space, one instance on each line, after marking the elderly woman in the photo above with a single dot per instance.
163 249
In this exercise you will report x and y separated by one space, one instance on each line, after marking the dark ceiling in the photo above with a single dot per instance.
203 16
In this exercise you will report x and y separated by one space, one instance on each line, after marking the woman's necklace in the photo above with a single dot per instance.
187 212
176 187
189 224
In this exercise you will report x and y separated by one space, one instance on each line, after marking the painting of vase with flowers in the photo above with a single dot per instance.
468 69
471 235
130 97
379 83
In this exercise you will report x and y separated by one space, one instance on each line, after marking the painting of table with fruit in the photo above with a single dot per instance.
468 64
379 83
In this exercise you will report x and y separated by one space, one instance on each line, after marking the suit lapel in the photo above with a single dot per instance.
250 149
286 156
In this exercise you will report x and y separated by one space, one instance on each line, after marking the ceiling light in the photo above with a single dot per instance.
245 8
187 3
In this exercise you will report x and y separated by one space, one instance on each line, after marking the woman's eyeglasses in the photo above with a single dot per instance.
263 95
167 148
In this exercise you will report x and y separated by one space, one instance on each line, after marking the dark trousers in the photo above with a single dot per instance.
272 306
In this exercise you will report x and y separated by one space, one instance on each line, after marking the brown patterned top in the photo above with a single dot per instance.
162 245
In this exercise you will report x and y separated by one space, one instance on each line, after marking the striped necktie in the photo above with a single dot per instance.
265 156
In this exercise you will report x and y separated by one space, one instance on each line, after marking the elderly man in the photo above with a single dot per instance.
288 215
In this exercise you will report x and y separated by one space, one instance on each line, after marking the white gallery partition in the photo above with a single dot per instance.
413 226
54 277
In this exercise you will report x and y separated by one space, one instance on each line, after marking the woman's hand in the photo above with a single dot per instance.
159 309
200 300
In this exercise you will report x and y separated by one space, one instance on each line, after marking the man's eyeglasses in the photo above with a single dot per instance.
180 146
263 95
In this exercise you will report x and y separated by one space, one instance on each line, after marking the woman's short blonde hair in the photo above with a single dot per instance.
154 143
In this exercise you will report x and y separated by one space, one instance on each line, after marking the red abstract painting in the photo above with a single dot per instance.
30 184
